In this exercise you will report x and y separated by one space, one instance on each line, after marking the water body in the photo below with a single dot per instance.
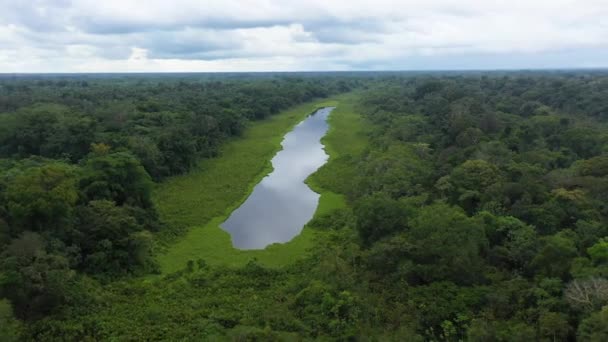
281 204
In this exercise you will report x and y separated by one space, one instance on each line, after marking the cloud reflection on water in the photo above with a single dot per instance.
281 204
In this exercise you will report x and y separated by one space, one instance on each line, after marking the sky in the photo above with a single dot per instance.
311 35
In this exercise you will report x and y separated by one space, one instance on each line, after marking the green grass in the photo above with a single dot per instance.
347 134
201 200
346 139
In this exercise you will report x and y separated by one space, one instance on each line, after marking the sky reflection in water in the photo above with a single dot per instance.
281 204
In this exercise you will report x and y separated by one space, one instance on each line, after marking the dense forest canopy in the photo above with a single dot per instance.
478 210
167 123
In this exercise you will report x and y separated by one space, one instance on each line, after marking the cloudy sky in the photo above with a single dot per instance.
286 35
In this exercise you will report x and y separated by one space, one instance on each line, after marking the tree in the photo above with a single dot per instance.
428 87
489 123
149 154
5 233
595 327
514 243
599 252
71 138
379 215
585 142
448 244
469 137
118 177
9 326
554 326
529 108
596 167
35 281
34 127
481 330
326 311
396 171
587 294
589 232
42 197
178 149
111 241
471 181
555 256
444 309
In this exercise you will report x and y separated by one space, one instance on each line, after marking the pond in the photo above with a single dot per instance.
281 204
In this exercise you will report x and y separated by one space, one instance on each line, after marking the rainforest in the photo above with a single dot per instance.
332 206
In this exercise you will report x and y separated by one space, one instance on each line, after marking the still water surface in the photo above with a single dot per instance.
281 204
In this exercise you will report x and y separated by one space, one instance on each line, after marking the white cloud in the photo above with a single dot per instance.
230 35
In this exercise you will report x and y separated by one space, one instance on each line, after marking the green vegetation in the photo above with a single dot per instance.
80 158
202 199
216 184
344 142
212 244
477 203
453 207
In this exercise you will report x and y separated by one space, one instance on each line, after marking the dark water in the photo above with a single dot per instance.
281 204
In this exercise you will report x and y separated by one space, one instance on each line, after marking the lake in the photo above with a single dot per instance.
281 204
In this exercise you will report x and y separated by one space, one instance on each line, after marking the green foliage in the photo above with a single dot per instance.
599 252
453 207
168 122
471 181
444 309
554 326
448 245
35 281
110 240
201 200
117 177
323 310
178 149
486 331
41 198
595 327
523 172
9 326
596 166
513 243
48 130
554 257
379 215
345 141
397 171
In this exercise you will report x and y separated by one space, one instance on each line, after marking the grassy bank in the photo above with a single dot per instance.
202 199
344 142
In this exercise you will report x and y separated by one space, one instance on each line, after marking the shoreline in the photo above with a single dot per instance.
208 241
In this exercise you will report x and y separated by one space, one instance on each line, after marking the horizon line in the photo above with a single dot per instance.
603 68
